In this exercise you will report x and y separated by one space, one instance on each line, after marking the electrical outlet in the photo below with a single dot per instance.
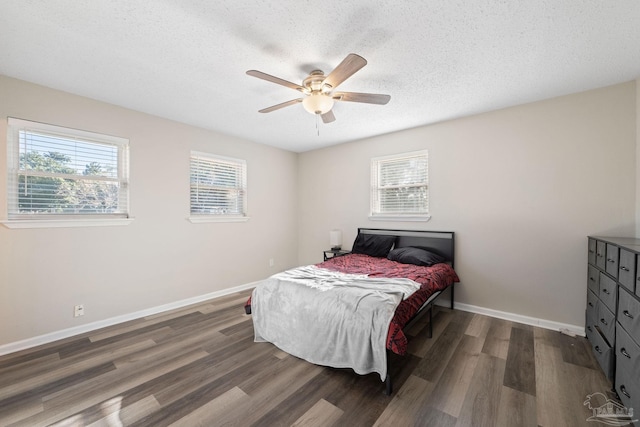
271 262
78 310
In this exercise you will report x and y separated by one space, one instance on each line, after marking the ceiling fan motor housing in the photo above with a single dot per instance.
315 82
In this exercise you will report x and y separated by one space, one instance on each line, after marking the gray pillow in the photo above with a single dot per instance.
416 256
373 245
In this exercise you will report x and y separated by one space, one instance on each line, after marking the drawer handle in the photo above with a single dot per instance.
597 348
591 251
604 322
623 268
589 328
606 291
590 304
593 280
626 313
624 391
624 353
610 260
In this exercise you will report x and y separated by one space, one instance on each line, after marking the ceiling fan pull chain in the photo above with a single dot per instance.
318 123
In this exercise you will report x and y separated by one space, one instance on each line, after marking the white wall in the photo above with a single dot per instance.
161 257
521 187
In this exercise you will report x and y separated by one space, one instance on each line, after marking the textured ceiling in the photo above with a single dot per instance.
438 59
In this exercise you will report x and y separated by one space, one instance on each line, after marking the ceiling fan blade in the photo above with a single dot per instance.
328 117
345 69
369 98
273 79
279 106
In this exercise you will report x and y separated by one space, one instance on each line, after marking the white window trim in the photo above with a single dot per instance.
14 125
407 218
200 219
398 217
209 218
65 223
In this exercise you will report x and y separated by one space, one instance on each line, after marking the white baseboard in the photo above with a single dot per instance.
66 333
533 321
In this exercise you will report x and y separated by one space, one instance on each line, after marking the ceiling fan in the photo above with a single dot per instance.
318 89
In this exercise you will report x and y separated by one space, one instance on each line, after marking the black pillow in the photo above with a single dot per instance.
417 256
373 245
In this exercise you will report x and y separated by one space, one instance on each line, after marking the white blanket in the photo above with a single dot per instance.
329 318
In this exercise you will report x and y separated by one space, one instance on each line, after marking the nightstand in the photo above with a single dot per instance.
334 253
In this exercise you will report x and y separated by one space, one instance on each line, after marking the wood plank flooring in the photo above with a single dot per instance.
199 366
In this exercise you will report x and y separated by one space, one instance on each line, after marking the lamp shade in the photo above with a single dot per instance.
317 103
335 239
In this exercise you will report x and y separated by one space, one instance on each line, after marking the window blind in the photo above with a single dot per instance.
399 184
218 185
56 171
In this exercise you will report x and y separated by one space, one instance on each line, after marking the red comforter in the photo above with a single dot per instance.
431 279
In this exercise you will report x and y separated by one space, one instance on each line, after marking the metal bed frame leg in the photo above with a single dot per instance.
388 389
388 386
452 295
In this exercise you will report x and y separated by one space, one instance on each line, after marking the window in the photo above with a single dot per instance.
399 187
58 174
218 188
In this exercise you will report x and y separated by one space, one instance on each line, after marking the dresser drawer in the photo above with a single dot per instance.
637 276
592 305
629 314
601 252
603 353
613 252
593 279
590 325
606 323
627 353
592 251
608 292
627 387
627 269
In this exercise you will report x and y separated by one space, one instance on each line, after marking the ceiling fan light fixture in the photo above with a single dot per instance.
317 103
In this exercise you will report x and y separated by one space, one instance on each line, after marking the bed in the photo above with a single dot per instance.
349 311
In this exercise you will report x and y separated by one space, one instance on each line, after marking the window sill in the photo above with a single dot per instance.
408 218
203 219
66 223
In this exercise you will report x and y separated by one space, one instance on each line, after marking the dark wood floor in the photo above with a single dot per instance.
199 366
